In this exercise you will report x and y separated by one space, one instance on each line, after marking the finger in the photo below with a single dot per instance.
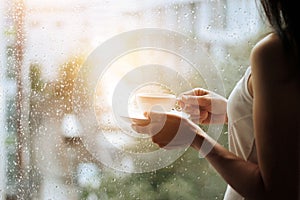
191 109
158 121
189 92
195 108
181 99
195 92
207 120
151 129
193 113
199 118
203 115
200 91
202 101
140 122
214 119
156 116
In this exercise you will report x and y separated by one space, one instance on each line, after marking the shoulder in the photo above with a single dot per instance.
268 57
267 51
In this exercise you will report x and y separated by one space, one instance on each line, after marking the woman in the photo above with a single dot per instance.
262 112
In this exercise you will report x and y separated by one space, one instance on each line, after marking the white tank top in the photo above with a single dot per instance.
240 127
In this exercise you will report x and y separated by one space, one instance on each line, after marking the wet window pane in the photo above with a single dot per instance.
70 69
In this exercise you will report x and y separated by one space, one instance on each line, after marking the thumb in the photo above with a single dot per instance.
155 116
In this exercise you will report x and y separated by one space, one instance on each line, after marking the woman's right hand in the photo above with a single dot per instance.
204 106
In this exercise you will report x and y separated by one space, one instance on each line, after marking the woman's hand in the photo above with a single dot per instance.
204 106
169 131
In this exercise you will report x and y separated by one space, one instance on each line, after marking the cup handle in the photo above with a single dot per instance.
178 106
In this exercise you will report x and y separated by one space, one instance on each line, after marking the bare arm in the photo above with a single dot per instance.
276 118
241 175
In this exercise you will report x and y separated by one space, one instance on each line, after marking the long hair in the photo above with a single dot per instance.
283 17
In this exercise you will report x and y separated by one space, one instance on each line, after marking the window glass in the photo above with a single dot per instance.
70 68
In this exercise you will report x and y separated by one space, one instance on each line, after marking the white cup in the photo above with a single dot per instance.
156 101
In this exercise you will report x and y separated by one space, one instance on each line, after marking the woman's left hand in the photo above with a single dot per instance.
168 131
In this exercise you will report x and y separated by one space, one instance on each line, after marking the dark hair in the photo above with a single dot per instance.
282 16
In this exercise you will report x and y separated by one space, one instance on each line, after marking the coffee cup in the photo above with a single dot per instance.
156 102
